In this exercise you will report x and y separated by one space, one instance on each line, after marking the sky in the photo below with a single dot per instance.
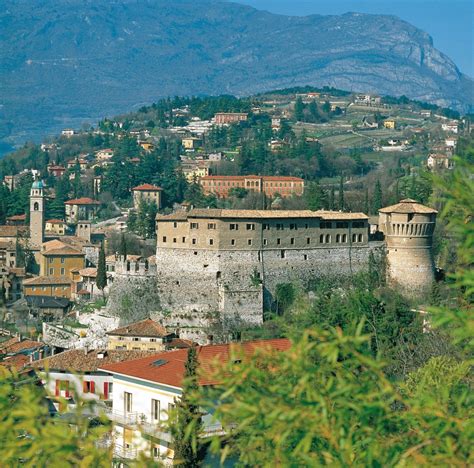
449 22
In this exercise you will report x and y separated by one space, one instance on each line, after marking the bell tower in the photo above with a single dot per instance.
408 227
37 214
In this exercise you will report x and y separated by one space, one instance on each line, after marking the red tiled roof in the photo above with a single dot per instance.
264 178
171 370
19 361
147 188
14 346
147 327
55 221
20 217
82 201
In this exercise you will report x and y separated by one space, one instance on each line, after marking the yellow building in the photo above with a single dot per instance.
48 286
146 192
147 146
146 335
191 143
55 226
390 123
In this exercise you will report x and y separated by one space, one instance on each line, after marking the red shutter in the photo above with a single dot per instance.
106 390
84 386
67 388
92 386
56 391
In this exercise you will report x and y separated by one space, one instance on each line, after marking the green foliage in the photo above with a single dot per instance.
101 278
186 418
30 437
123 247
377 198
285 295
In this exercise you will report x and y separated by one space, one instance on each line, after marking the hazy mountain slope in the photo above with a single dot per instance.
66 60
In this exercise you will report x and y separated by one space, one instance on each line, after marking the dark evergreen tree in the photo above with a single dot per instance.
299 110
377 198
332 198
186 420
123 247
341 203
101 278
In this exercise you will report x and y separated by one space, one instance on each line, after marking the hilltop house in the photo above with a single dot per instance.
146 192
81 209
223 118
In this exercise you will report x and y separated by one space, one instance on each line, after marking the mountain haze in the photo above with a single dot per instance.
66 61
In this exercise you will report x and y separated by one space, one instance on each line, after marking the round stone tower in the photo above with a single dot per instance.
408 227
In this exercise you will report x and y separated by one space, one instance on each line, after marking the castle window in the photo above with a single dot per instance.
36 206
174 240
194 241
265 242
266 227
278 241
358 224
175 224
325 225
354 237
233 227
211 241
250 227
164 238
282 253
338 238
308 240
183 240
328 239
232 242
211 226
361 238
342 225
321 239
249 241
305 257
293 226
306 226
344 238
279 227
51 271
194 225
195 253
292 241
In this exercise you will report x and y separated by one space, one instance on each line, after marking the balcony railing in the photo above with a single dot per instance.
123 452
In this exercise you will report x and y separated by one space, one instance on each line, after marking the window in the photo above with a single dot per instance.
62 259
51 271
266 227
342 225
344 238
194 225
293 226
279 227
278 241
305 257
156 451
194 241
250 227
306 226
354 237
282 254
155 410
88 386
164 238
328 239
325 225
135 338
211 226
127 402
338 238
233 227
211 241
63 272
361 238
232 242
292 241
265 242
358 224
153 340
175 224
174 240
183 240
249 241
50 260
170 408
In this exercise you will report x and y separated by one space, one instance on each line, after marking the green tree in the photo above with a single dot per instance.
101 278
299 109
332 198
315 196
341 203
377 198
123 247
186 418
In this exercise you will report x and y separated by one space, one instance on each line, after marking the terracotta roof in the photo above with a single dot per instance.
179 343
146 327
84 292
147 188
66 250
82 201
8 245
47 280
80 360
13 231
55 221
170 370
92 272
14 346
264 214
17 271
264 178
56 168
18 361
20 217
408 206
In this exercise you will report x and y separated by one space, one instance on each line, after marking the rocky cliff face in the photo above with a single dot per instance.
63 61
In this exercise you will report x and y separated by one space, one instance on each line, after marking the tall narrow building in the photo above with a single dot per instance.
408 227
37 215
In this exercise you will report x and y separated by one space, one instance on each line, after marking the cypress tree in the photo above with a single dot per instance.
377 198
299 108
332 198
101 278
186 421
366 201
341 194
123 247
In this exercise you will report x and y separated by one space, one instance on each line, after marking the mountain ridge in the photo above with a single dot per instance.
67 61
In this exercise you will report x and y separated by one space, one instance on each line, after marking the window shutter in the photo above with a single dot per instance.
67 388
84 386
106 390
92 386
56 392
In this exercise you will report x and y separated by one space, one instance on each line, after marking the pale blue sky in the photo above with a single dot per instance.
449 22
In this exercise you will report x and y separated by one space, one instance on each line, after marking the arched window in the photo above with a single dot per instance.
36 206
338 238
344 238
321 239
361 238
328 238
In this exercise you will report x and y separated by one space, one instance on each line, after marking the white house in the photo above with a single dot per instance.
74 375
145 390
450 127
